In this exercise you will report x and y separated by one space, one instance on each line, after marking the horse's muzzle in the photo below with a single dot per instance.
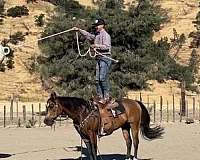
48 121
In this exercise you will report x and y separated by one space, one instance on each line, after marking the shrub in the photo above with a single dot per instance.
31 1
39 20
2 67
18 11
2 3
15 38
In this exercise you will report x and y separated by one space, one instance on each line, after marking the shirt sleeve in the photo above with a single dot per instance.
106 42
88 35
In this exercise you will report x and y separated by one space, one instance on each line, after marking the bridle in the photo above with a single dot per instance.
84 121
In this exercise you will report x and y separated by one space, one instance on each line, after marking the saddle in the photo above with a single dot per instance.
109 112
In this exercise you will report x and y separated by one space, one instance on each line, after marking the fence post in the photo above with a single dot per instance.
148 101
4 117
167 111
24 113
11 111
173 108
199 111
140 97
194 107
39 114
32 109
161 106
181 110
187 113
60 120
154 111
17 107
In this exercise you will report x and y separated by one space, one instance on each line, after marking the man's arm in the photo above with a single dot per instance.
88 35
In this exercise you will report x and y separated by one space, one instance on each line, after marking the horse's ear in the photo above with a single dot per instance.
53 95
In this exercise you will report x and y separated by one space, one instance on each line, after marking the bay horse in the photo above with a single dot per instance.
86 121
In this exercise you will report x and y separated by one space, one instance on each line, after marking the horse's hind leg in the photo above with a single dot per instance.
135 130
127 137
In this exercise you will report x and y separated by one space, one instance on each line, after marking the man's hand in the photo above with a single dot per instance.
75 28
93 46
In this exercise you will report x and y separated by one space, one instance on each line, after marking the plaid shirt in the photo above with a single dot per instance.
102 40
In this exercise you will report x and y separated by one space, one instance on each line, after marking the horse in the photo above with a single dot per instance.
87 121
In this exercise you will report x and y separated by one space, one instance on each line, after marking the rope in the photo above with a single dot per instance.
40 39
90 53
78 46
79 51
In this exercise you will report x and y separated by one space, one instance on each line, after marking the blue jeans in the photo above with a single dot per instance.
103 67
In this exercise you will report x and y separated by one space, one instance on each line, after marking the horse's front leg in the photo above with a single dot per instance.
93 141
89 148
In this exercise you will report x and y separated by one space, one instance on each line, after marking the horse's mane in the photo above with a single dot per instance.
74 101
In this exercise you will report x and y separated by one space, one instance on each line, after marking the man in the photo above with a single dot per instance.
102 44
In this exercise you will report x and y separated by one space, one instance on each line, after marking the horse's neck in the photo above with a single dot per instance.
75 111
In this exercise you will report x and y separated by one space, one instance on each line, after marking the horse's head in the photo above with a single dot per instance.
53 109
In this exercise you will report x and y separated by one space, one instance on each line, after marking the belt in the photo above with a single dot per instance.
102 50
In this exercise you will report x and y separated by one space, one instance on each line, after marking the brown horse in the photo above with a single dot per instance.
86 120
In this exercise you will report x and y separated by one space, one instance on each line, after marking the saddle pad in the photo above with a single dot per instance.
120 108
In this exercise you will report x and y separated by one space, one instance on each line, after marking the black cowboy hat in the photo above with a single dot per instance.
99 22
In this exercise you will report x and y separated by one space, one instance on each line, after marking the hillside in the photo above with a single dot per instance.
20 82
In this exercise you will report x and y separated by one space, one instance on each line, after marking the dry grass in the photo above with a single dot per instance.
19 81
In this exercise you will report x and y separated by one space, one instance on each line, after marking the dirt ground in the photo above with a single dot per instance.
180 142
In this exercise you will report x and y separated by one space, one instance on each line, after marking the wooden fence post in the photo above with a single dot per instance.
187 113
154 111
182 111
148 101
167 111
199 111
161 106
60 120
194 107
140 97
4 117
24 113
32 109
173 108
11 111
17 107
39 114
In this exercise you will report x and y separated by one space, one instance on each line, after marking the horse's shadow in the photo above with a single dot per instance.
100 157
3 155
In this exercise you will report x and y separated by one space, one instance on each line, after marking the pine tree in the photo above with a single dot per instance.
140 58
196 34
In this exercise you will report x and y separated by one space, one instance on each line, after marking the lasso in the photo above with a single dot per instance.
96 53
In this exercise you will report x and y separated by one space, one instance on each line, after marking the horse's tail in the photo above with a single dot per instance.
146 131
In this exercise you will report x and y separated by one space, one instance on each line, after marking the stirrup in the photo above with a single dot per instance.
114 113
102 133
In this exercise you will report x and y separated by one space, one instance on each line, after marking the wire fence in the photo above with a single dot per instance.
161 109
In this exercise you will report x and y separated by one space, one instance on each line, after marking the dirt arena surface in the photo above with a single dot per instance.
180 142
